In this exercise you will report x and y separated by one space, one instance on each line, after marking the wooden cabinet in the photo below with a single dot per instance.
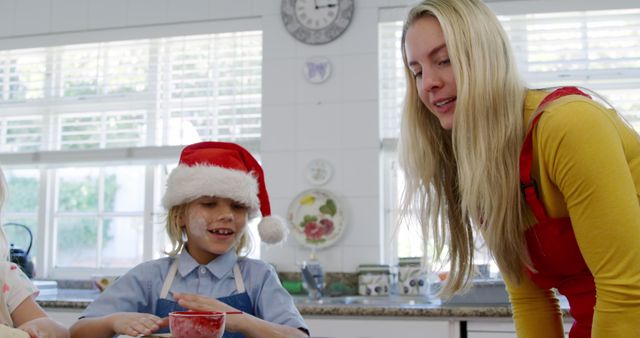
382 327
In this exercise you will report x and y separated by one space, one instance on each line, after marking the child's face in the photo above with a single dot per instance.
213 225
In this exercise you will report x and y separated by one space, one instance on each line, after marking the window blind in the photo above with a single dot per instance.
133 93
599 50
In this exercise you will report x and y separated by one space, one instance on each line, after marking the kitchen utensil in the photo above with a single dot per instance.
21 256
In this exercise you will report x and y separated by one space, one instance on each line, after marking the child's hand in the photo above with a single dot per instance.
135 324
195 302
33 331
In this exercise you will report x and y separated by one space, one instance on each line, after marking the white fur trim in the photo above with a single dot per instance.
186 184
272 230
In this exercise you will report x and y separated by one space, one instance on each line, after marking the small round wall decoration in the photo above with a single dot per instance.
317 69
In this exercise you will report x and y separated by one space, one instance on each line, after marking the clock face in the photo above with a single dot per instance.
316 21
315 14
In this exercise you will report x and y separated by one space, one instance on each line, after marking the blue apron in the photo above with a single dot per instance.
240 301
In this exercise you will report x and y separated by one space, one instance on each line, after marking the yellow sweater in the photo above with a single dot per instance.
587 166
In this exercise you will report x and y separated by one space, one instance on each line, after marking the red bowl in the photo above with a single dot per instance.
193 324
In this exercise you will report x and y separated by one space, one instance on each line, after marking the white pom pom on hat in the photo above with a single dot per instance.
227 170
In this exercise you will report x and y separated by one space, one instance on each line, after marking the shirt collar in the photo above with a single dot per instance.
219 267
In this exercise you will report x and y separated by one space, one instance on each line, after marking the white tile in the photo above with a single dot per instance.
231 9
360 78
361 172
279 170
7 17
280 78
319 126
146 12
330 91
107 14
362 33
32 17
280 256
363 222
277 42
187 10
356 255
278 127
69 15
361 124
268 7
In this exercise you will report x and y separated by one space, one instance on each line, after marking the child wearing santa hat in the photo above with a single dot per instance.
210 197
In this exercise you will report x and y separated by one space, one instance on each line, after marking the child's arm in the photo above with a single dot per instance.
248 325
30 317
127 323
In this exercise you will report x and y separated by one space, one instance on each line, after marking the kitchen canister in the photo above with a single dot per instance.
413 278
374 280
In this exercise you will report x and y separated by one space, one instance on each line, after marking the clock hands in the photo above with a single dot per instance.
324 6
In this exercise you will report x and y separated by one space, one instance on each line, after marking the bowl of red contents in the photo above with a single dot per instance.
195 324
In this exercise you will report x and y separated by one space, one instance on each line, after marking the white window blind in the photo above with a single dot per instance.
599 50
135 93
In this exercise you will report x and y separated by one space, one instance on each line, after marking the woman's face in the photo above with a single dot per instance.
428 60
213 225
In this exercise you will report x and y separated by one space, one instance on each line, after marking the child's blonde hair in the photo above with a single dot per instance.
177 235
4 242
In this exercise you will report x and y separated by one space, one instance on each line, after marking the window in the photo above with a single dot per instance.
88 133
599 50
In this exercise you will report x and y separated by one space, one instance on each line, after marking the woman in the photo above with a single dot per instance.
551 181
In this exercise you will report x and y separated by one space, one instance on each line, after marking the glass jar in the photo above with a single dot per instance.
374 280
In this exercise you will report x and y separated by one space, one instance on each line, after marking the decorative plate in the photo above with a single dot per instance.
316 217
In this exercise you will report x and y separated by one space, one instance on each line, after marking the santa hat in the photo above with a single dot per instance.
224 169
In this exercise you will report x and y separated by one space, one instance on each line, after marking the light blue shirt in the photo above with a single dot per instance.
139 289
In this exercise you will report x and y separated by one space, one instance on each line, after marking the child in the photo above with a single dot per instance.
18 307
209 198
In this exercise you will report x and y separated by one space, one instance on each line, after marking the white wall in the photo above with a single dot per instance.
336 120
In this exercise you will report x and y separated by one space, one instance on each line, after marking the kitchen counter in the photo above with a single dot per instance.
330 306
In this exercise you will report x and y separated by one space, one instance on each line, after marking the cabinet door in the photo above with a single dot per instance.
381 327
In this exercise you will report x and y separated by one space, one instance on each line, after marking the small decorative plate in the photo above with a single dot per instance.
316 218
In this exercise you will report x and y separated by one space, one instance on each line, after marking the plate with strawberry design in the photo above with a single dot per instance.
316 218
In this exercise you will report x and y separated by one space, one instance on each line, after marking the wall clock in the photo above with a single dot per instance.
316 22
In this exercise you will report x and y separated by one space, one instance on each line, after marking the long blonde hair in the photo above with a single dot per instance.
468 176
177 236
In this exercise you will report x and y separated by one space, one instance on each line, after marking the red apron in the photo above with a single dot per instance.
552 244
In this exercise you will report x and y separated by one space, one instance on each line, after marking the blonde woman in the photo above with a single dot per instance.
550 179
210 196
20 315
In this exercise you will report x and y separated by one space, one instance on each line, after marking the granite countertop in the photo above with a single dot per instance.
331 306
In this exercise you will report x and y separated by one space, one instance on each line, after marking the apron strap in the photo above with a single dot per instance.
168 281
527 184
238 278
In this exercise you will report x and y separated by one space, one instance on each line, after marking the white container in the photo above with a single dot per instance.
413 278
374 280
